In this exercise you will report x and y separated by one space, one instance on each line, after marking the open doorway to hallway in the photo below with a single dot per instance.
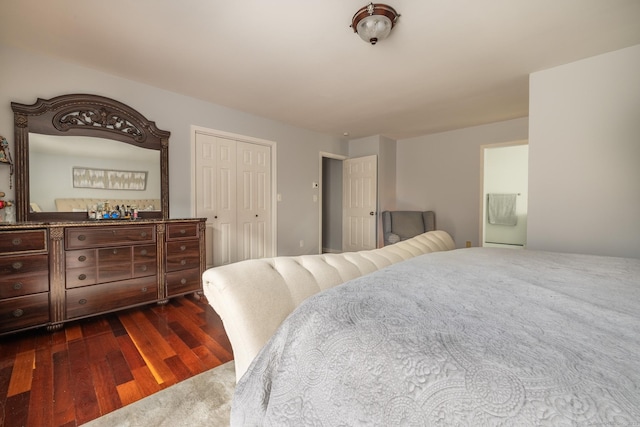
331 203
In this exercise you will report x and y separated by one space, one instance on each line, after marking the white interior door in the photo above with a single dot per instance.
233 190
254 200
360 203
216 196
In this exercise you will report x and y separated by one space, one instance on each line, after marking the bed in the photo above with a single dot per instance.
478 336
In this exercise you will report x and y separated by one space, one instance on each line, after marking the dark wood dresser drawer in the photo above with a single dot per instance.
93 237
85 258
144 253
95 299
25 264
76 277
184 281
182 231
23 284
22 241
183 255
23 312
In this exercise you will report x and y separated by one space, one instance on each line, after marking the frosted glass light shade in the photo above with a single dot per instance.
374 22
374 28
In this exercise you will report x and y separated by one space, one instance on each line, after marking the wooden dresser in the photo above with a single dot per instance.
54 273
24 279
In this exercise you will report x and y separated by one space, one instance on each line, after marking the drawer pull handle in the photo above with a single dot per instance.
183 281
143 234
17 312
17 241
17 286
82 237
183 248
143 290
82 277
144 268
82 258
16 265
183 231
183 262
82 301
143 252
115 251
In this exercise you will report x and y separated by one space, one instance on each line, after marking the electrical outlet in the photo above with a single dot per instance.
468 243
302 243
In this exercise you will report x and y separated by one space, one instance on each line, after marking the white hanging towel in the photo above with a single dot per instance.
501 209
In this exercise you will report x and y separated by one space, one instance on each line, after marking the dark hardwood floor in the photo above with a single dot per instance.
94 366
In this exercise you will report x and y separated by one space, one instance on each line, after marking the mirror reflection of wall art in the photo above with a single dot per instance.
109 179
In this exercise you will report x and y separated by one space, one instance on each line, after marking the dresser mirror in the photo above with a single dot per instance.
75 153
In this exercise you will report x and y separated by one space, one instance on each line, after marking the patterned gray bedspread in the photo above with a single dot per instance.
470 337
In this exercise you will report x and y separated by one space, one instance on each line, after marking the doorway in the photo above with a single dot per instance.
504 194
348 203
331 203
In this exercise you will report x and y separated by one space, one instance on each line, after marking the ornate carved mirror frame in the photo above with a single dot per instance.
84 115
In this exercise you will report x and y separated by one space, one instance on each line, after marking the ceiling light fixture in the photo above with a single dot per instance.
374 22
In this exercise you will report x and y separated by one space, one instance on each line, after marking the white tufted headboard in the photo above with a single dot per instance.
253 297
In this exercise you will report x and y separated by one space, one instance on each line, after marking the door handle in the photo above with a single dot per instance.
372 213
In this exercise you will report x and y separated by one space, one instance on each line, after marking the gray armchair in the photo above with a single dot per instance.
403 225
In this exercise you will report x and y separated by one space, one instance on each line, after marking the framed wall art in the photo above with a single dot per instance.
109 179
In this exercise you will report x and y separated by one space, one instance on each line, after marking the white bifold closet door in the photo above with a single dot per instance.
233 192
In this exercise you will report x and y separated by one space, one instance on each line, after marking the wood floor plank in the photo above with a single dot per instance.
146 381
190 310
116 326
119 367
63 407
99 345
84 395
206 356
151 334
159 320
129 392
5 377
41 395
22 372
184 335
218 350
8 351
93 366
186 354
130 352
153 358
105 387
73 332
97 326
178 368
17 410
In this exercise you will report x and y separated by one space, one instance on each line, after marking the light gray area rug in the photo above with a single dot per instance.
203 400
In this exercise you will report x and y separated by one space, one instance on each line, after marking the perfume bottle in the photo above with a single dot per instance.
10 212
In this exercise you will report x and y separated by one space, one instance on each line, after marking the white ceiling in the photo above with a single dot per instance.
447 64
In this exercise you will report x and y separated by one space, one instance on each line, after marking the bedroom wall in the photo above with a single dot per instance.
441 172
584 164
27 76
